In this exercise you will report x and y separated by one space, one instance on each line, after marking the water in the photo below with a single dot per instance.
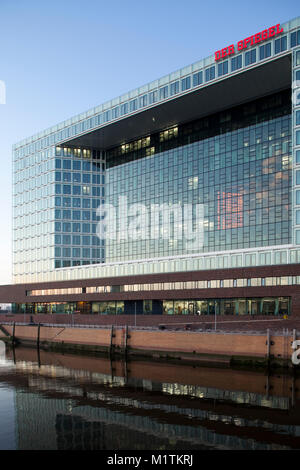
55 401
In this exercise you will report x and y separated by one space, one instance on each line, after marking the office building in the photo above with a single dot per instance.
200 171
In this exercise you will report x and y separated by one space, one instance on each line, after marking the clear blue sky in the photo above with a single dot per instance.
59 58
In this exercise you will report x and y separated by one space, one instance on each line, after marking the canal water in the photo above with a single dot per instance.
56 401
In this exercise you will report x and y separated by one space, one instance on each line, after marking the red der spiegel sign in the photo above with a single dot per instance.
250 41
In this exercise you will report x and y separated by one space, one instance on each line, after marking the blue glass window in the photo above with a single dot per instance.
280 45
133 105
66 214
58 201
95 191
57 251
185 83
67 177
86 178
76 227
57 176
76 215
76 240
143 101
250 57
66 227
86 240
86 215
153 97
298 156
66 239
265 51
76 202
57 214
174 88
95 203
57 226
210 73
57 163
86 228
96 253
197 78
96 240
86 203
85 252
222 68
67 164
115 112
66 263
76 190
96 179
57 239
298 177
295 38
106 116
124 109
66 252
163 92
76 252
76 165
66 202
236 62
297 118
58 189
66 189
86 166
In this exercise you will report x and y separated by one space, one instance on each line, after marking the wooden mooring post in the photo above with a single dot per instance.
14 333
38 335
112 335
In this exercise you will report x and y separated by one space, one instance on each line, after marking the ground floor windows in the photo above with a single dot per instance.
233 306
249 306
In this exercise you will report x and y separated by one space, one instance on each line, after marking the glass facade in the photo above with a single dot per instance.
79 191
55 197
236 163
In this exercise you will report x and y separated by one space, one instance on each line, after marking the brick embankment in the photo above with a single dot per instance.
214 347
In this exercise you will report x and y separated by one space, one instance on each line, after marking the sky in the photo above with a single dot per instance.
59 58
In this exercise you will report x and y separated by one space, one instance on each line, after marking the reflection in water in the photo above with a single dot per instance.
65 401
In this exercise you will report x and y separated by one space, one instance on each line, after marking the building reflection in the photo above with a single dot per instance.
76 402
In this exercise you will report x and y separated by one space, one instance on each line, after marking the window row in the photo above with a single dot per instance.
77 190
212 284
67 252
77 165
76 177
85 203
